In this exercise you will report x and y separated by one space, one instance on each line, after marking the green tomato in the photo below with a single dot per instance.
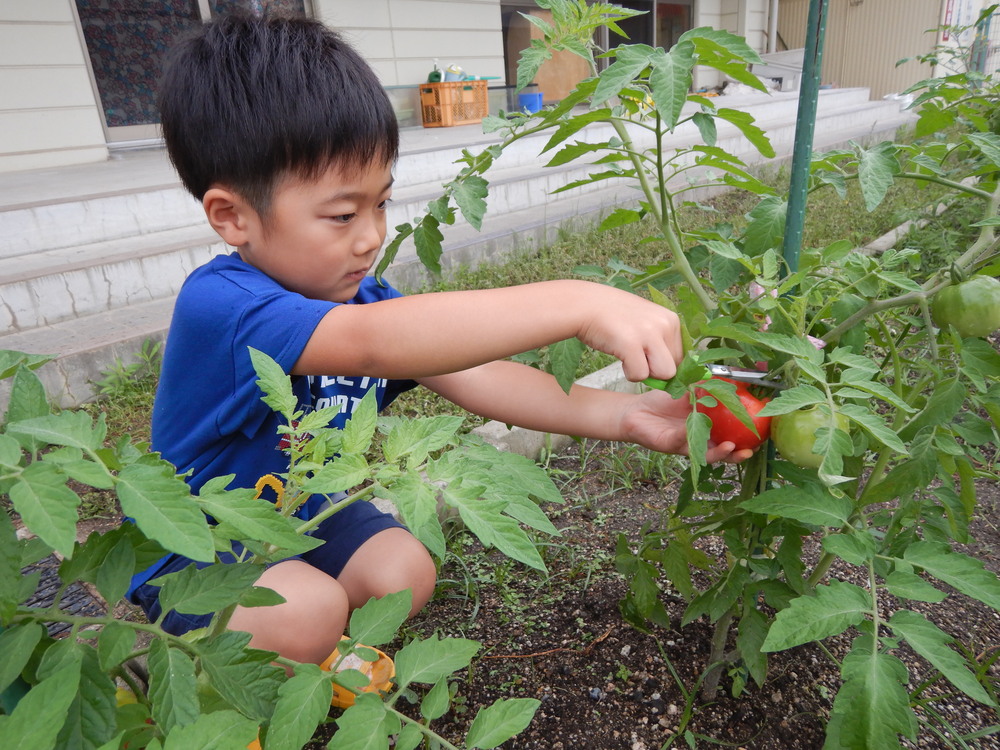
972 307
794 434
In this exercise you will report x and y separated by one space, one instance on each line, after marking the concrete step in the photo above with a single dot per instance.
91 278
47 286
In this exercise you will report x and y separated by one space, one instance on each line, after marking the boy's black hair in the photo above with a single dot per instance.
249 100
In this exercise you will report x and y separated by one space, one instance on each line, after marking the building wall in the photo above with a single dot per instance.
748 18
865 40
49 114
402 38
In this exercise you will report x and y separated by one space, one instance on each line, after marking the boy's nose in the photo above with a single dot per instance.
371 234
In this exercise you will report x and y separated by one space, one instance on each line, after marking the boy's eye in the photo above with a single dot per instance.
342 219
384 204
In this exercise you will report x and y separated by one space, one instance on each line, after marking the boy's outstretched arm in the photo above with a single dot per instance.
433 334
517 394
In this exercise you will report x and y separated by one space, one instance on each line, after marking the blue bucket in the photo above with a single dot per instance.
530 103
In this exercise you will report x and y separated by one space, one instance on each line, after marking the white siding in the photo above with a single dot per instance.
865 41
402 38
48 113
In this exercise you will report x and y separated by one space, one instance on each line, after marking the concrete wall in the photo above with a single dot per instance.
49 114
401 38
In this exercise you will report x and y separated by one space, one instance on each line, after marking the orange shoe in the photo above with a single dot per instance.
379 674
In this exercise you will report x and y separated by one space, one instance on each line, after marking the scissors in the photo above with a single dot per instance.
750 377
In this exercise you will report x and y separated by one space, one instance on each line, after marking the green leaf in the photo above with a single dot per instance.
91 719
246 678
749 638
575 124
564 360
670 80
360 428
437 701
367 725
417 504
72 428
928 640
427 239
501 721
470 195
172 690
877 166
830 611
706 127
16 647
872 706
961 571
303 702
721 43
857 548
378 620
10 360
115 575
27 398
767 225
630 62
530 61
39 716
255 519
275 384
793 399
403 231
430 660
811 504
339 474
114 644
46 505
417 438
744 121
619 218
874 426
989 144
164 510
206 591
911 586
219 730
483 518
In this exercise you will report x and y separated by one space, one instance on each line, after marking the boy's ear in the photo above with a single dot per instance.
230 216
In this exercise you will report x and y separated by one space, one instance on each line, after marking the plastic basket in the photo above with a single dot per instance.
453 103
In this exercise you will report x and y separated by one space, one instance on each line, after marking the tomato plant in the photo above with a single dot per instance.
971 307
95 691
730 425
915 410
797 434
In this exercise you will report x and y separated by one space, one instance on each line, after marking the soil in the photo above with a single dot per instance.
604 685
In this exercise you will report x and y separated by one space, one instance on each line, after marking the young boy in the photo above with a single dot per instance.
287 138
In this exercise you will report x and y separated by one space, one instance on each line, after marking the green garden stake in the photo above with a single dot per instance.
805 128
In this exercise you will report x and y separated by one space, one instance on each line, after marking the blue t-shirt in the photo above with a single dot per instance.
208 417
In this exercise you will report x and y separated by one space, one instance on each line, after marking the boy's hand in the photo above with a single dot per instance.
646 337
656 421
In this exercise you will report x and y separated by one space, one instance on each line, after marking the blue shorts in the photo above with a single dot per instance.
344 533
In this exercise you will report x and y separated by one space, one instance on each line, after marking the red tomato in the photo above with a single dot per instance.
726 426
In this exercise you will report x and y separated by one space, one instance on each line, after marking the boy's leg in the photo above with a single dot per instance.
392 560
308 625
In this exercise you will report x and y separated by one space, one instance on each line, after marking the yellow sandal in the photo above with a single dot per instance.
379 673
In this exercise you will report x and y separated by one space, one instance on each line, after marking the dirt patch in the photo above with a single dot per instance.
604 685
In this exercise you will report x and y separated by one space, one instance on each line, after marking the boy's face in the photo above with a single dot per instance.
323 235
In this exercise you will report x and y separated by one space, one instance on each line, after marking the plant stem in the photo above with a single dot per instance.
717 655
